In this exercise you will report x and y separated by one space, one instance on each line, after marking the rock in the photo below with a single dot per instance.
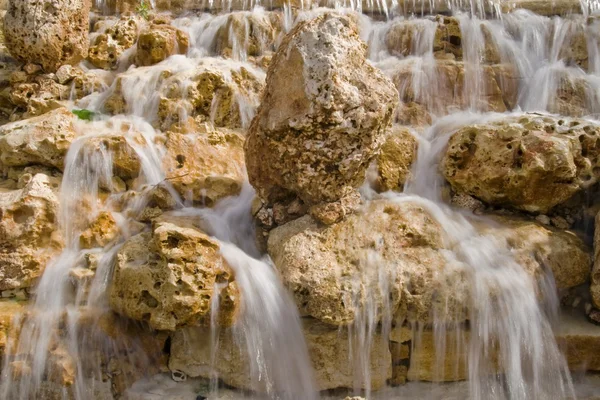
126 163
205 164
167 277
42 140
324 115
531 163
214 91
579 340
108 46
248 34
328 348
9 310
395 160
51 33
595 275
332 273
159 42
534 244
102 230
29 235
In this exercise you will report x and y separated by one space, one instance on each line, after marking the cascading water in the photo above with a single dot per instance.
511 352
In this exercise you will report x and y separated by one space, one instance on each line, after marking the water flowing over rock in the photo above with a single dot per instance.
29 235
42 140
159 42
168 277
328 349
395 160
531 162
50 33
205 165
108 46
324 115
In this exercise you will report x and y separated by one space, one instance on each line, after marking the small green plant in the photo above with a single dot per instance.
84 114
143 9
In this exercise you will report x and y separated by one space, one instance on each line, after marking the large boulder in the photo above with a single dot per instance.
395 256
159 42
531 163
49 33
168 277
329 350
205 165
324 115
29 234
42 140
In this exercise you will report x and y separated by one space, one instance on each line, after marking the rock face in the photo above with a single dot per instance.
50 33
336 271
167 277
29 235
159 42
328 349
42 140
530 163
206 166
248 34
108 46
395 160
324 115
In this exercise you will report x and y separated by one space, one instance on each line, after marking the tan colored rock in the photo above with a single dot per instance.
215 91
531 162
42 140
328 348
167 277
51 33
29 235
248 34
9 310
324 115
395 160
579 341
331 270
205 164
108 46
159 42
595 275
534 244
126 163
102 230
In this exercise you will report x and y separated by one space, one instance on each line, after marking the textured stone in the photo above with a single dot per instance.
324 115
248 34
395 160
50 33
328 348
167 277
530 163
108 46
42 140
102 230
159 42
29 235
205 164
595 275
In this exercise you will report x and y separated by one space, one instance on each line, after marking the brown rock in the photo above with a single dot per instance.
395 160
167 277
102 230
108 46
324 115
159 42
51 33
531 163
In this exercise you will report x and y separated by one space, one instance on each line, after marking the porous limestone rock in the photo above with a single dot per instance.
9 309
395 160
205 165
108 46
530 162
215 91
42 140
102 230
334 270
328 348
125 162
167 277
595 275
29 235
159 42
324 115
248 34
50 33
